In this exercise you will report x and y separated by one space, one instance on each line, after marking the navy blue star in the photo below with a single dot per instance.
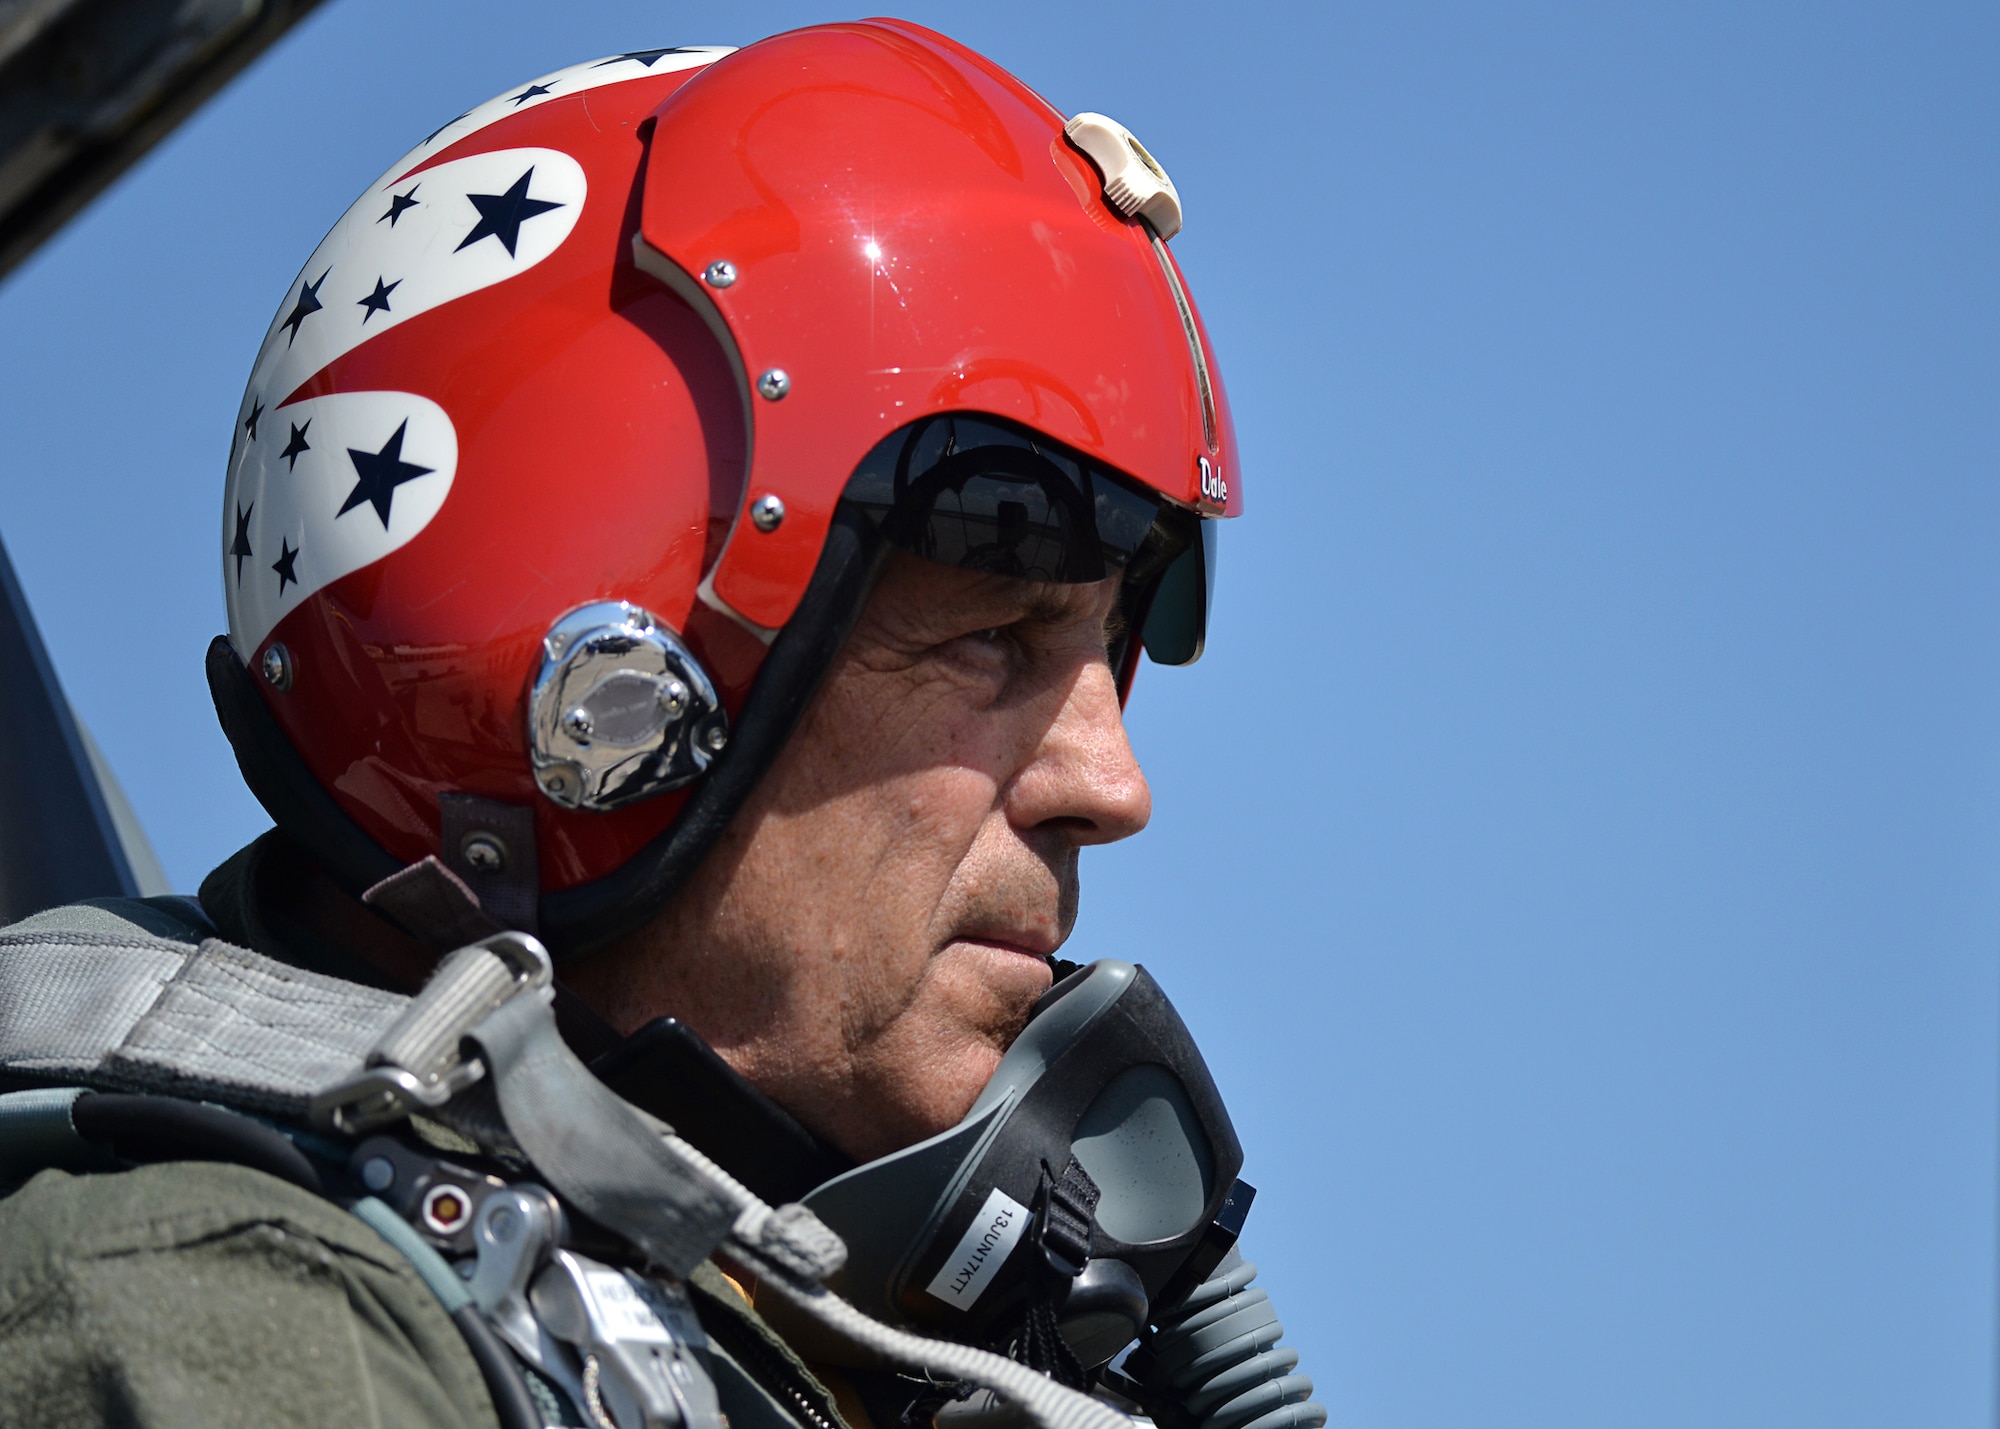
298 445
437 131
529 93
378 301
284 566
240 547
501 215
648 58
250 422
399 204
307 305
378 474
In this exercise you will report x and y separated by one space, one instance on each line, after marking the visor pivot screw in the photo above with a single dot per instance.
577 724
277 663
483 853
717 738
673 698
774 384
767 513
719 274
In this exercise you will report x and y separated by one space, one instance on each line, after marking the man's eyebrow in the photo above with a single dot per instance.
1010 600
1050 604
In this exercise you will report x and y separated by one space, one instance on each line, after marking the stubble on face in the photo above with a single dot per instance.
871 932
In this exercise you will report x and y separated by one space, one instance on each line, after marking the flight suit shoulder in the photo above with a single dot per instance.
198 1293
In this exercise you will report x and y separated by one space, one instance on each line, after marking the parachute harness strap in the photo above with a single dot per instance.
478 1048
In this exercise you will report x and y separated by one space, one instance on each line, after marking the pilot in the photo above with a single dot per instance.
689 534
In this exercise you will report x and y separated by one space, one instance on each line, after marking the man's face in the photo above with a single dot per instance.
870 934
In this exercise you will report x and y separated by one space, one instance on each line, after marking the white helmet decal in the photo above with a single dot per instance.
321 486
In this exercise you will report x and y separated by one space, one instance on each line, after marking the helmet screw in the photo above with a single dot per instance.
717 738
774 384
378 1173
277 665
719 274
577 724
673 698
556 783
766 513
483 853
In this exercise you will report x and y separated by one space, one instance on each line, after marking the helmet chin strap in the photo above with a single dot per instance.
573 921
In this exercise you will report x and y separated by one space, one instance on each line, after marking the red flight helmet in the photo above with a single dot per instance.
576 447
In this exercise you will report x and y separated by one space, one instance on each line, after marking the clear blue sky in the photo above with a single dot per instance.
1578 850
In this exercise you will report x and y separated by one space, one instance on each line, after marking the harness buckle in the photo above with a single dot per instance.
419 1064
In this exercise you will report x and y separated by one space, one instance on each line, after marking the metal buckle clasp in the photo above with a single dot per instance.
417 1064
638 1341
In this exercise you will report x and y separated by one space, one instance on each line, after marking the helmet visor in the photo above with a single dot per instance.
985 494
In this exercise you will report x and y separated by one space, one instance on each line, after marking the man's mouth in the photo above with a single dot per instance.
1040 947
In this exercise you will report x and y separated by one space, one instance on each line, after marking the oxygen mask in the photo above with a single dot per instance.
1094 1178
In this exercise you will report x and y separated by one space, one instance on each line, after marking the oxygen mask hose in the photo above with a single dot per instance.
1213 1361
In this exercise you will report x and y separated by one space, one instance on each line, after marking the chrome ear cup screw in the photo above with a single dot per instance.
767 513
719 274
277 666
718 738
577 724
484 853
774 384
674 698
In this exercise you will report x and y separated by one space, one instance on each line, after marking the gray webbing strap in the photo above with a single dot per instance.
597 1151
136 1013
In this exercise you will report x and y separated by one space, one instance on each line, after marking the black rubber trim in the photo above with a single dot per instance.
513 1405
576 921
282 783
145 1129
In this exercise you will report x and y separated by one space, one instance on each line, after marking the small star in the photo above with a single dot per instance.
399 204
439 130
250 422
288 559
529 93
307 305
501 215
378 301
378 474
298 446
648 58
240 547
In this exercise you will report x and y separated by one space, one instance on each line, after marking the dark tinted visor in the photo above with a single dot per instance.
985 494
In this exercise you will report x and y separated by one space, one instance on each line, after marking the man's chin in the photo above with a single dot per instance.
929 1070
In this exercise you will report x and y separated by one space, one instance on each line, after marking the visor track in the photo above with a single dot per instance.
1193 335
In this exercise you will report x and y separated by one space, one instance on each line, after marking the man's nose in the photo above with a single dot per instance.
1083 776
